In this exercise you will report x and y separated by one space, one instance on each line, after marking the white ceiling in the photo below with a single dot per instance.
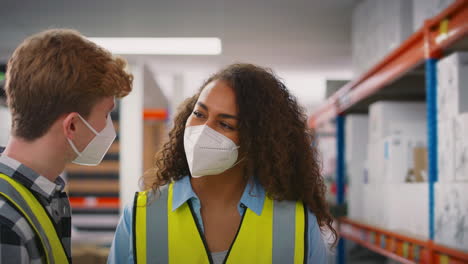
300 34
305 37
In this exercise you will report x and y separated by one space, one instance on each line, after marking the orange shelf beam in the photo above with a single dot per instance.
408 56
379 250
94 202
155 114
399 247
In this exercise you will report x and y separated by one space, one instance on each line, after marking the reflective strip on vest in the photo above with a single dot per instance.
28 206
277 236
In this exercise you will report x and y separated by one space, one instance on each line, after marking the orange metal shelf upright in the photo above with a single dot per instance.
425 43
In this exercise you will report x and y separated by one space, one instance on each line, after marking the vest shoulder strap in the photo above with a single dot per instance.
36 215
150 207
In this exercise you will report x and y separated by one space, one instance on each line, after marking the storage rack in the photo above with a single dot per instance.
445 32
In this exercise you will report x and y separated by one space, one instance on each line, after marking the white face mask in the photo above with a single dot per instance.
94 152
208 152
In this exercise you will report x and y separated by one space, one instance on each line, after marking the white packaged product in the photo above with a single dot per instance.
452 81
384 113
451 215
461 147
356 153
374 208
5 125
408 209
378 27
399 158
412 129
356 137
446 151
376 162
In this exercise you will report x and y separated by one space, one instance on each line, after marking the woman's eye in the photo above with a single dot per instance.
197 114
226 126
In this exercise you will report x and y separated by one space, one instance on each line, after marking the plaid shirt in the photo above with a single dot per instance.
18 241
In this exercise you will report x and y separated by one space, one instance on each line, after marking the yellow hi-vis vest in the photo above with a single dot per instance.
32 210
164 236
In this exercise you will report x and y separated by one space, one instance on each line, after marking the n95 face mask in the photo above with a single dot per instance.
94 152
208 152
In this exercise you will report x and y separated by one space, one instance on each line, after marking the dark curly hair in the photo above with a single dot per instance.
273 134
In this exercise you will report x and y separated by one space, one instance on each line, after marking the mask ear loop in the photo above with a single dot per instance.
74 147
239 161
88 125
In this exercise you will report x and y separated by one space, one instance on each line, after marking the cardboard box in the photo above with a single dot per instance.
451 215
420 168
384 114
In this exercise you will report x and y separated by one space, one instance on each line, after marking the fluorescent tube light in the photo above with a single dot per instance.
161 46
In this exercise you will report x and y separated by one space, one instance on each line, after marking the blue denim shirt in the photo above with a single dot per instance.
253 197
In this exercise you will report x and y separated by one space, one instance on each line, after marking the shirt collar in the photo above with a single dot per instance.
30 178
253 196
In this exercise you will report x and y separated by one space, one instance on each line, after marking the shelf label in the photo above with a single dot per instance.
443 31
383 241
444 259
363 235
392 245
372 237
405 249
444 26
416 253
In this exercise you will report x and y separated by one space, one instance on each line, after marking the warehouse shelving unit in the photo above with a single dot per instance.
445 32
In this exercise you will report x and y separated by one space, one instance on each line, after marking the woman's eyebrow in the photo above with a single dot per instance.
228 116
202 105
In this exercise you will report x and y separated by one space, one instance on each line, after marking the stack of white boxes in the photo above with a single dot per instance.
452 188
5 125
396 131
387 121
356 154
378 27
424 9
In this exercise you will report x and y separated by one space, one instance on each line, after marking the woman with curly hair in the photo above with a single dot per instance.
237 182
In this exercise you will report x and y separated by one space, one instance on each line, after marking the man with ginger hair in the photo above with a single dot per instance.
60 90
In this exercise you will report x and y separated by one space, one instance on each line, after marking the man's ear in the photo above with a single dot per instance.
69 125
